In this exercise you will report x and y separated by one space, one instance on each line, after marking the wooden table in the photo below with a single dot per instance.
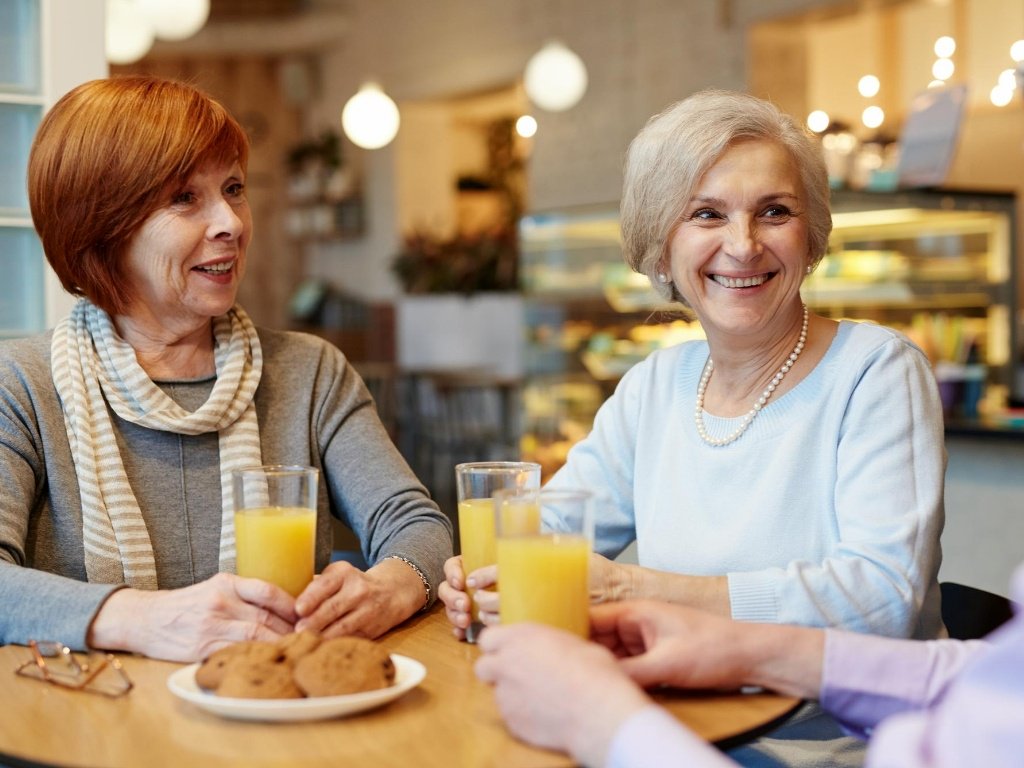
450 720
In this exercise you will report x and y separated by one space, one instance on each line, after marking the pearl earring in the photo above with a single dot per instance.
662 277
809 269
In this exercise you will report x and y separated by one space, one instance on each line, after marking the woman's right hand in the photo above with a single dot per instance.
190 623
608 582
453 592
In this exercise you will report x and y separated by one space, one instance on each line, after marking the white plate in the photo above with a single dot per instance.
408 674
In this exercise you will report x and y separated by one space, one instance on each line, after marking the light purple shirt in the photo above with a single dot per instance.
943 703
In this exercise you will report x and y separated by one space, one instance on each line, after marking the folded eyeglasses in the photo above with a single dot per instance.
54 663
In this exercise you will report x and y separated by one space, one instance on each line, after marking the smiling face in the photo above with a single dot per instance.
740 251
184 264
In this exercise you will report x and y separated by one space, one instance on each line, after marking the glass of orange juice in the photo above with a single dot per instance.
544 540
275 524
476 484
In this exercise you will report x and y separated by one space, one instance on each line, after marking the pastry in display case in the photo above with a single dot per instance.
937 265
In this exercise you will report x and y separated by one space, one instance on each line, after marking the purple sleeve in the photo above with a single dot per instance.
979 720
867 678
652 738
945 703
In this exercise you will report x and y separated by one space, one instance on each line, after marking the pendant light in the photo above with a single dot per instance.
555 78
175 19
129 33
370 118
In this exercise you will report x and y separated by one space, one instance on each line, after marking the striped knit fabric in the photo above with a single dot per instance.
92 368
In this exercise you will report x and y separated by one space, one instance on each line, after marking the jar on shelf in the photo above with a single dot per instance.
840 149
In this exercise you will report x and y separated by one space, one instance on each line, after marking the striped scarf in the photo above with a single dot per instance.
92 367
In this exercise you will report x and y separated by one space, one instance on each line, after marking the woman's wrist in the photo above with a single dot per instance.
614 582
413 581
709 593
111 626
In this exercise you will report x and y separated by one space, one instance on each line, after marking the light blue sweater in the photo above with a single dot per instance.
826 512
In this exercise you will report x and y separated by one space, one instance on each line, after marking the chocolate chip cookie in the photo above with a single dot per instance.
344 665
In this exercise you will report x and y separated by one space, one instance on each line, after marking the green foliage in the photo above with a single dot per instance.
324 151
460 264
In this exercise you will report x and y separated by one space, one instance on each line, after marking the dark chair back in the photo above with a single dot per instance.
970 613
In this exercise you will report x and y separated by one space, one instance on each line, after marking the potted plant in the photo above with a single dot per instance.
466 263
461 308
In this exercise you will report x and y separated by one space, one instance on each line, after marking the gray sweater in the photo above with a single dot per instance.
312 409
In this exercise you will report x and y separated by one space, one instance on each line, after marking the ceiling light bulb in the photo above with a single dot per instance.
526 126
175 19
945 46
1001 96
129 34
943 69
818 120
370 118
555 78
1008 78
1017 51
872 117
868 86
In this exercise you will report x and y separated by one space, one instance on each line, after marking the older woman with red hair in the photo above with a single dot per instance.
118 427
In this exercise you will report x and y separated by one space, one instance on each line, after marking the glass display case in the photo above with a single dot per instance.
939 266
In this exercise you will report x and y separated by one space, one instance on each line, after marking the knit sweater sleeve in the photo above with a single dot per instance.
35 604
885 465
604 463
372 488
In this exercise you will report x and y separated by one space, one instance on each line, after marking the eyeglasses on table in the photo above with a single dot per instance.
55 663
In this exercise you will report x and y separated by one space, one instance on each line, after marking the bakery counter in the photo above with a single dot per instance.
1009 426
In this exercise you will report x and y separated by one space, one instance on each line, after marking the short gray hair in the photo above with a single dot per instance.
671 154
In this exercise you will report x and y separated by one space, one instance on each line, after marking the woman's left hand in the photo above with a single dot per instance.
344 600
609 581
612 582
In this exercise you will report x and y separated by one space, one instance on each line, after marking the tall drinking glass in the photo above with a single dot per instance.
544 569
476 484
275 524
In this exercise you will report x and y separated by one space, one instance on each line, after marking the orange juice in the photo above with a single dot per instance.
476 537
544 578
277 544
518 518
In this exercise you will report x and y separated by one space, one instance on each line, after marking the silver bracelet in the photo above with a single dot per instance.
423 576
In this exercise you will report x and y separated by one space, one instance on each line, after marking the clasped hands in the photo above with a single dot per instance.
558 691
562 692
189 623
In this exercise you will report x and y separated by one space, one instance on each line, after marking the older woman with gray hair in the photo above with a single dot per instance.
789 468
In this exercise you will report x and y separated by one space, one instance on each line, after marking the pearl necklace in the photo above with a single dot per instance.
698 414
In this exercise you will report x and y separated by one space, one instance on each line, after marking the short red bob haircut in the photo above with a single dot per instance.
105 157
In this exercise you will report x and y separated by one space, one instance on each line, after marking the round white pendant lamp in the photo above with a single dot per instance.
555 78
370 118
129 33
175 19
